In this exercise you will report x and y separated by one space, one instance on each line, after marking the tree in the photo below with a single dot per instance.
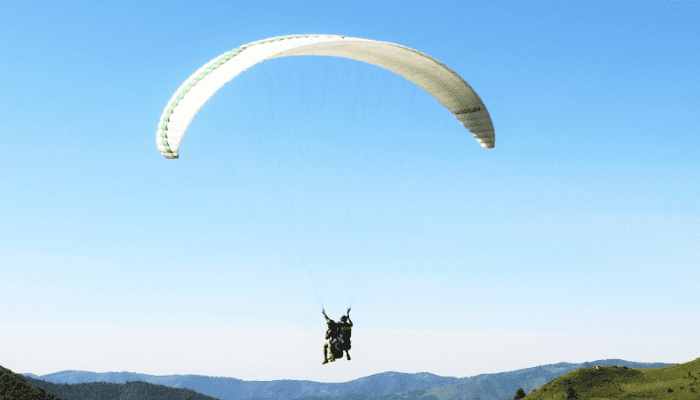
571 394
520 394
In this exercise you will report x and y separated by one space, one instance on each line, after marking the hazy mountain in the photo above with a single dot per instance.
388 385
116 391
236 389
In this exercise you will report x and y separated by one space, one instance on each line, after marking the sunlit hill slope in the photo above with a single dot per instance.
678 382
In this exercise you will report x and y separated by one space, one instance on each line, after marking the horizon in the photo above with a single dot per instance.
309 182
353 379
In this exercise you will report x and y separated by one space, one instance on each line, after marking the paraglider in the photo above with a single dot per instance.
337 337
445 85
434 77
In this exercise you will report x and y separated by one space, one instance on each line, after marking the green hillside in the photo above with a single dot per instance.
678 382
16 387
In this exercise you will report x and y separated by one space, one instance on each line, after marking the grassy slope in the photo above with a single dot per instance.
679 382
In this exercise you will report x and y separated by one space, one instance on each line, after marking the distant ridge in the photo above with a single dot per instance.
497 386
116 391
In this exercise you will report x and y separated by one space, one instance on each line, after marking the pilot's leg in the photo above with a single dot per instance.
332 351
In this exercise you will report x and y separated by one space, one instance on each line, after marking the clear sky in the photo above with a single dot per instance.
309 181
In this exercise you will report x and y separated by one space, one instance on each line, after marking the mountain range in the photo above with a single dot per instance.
386 386
115 391
18 387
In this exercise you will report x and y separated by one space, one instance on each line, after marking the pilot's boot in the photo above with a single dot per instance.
347 355
325 354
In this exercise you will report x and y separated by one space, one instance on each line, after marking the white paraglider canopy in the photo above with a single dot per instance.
431 75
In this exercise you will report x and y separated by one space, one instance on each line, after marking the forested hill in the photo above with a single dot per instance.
678 382
117 391
16 387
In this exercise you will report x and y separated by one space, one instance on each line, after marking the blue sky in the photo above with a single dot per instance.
309 181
